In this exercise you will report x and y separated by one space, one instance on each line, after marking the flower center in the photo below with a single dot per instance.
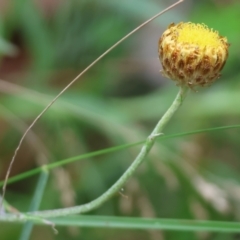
198 34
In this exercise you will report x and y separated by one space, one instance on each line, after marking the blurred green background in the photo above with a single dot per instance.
45 44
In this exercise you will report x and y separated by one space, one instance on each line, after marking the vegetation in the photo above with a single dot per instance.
188 187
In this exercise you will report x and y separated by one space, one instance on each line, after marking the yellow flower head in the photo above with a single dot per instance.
192 54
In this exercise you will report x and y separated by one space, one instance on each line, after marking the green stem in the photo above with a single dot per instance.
129 172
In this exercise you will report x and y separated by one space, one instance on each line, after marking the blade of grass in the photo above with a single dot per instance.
110 150
146 223
35 203
135 223
69 160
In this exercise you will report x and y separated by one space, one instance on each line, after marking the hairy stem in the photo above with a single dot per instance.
68 86
128 173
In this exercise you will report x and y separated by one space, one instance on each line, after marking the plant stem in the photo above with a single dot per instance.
128 173
68 86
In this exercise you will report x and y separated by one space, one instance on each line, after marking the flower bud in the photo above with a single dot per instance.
192 54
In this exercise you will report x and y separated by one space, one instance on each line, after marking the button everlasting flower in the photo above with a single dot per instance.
192 54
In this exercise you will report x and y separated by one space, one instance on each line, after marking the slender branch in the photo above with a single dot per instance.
129 172
69 85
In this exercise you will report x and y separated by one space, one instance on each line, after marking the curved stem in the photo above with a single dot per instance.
68 86
129 172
